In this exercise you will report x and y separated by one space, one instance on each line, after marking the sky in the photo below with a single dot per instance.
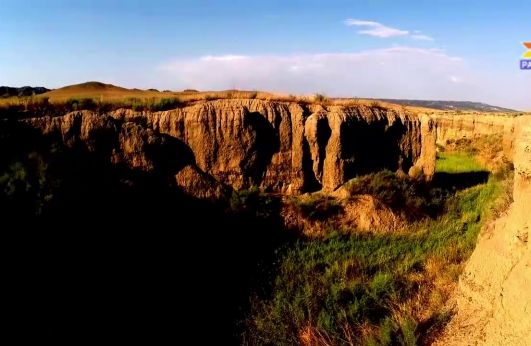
438 49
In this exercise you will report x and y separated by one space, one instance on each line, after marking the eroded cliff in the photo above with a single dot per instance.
453 127
281 147
494 299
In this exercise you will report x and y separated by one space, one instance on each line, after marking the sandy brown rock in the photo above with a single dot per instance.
428 149
366 213
133 142
289 148
194 182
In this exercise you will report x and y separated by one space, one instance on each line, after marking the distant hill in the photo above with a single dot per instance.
451 105
88 90
88 86
6 91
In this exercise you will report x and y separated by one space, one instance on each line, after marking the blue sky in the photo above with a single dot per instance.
439 49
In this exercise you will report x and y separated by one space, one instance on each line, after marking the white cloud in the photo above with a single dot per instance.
421 37
401 72
376 29
379 30
396 72
455 79
224 57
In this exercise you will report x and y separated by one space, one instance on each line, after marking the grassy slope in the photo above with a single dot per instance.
375 289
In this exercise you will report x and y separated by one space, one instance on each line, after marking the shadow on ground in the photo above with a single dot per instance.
459 181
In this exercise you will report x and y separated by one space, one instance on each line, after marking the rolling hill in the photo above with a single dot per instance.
94 90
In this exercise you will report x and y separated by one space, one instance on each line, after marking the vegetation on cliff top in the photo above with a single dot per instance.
101 97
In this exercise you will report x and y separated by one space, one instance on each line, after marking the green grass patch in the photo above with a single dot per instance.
457 162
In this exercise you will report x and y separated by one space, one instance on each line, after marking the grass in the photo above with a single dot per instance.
457 162
374 289
42 106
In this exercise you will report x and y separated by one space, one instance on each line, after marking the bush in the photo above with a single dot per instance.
320 98
318 207
74 104
376 104
135 103
88 104
244 199
411 196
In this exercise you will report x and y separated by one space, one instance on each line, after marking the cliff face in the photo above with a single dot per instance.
452 127
279 146
494 300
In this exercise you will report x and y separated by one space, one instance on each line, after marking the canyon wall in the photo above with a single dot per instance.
494 299
281 147
453 127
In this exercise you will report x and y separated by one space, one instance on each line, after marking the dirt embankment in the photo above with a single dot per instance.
494 298
283 147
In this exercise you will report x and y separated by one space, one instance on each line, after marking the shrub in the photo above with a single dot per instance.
165 104
135 104
74 104
320 98
411 196
244 199
376 104
318 207
408 328
88 104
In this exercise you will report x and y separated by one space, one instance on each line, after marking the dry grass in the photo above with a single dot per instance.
110 94
107 93
108 97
